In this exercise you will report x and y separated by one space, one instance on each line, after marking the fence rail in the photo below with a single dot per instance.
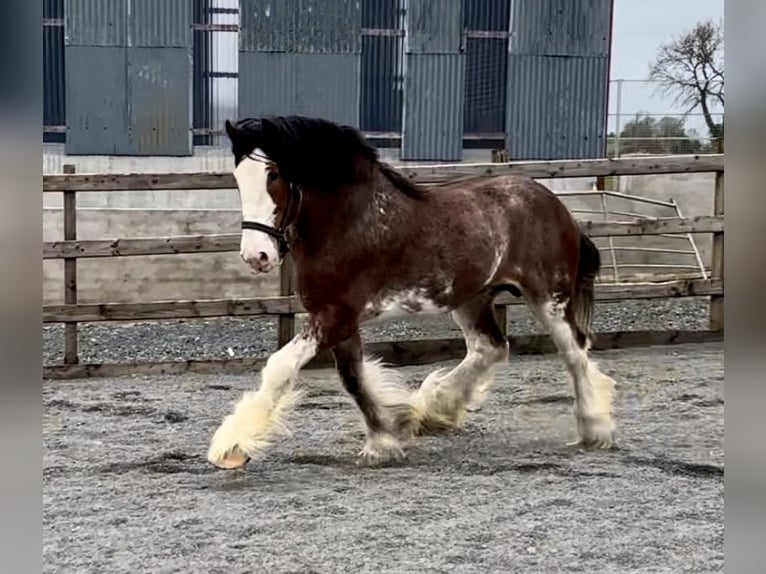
287 305
204 181
156 310
224 242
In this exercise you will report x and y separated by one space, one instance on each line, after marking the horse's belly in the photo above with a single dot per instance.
402 305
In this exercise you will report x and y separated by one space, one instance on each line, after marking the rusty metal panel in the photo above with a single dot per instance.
96 22
97 111
433 107
160 23
301 26
561 27
322 85
160 96
557 107
434 27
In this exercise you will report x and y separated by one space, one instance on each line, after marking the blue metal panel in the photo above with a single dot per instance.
381 84
96 22
322 85
485 85
202 51
54 92
97 111
381 14
140 102
159 91
486 66
329 27
267 84
161 24
557 107
561 27
53 8
486 14
53 76
268 25
434 27
433 109
301 26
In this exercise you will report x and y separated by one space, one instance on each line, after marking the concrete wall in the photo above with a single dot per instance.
223 275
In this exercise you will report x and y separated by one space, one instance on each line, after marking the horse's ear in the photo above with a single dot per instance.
230 130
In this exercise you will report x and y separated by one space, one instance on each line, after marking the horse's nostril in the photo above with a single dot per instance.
262 257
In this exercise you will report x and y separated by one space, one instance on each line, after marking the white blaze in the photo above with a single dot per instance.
257 206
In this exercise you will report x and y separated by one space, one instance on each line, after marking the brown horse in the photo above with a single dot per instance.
368 244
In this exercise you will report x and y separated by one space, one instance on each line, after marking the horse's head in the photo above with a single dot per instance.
264 194
275 159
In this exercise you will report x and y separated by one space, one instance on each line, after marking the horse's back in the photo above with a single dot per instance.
514 194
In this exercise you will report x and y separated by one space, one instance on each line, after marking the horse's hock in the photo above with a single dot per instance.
660 234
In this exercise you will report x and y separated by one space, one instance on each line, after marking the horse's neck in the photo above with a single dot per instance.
368 215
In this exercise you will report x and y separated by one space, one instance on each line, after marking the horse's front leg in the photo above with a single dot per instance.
260 414
384 401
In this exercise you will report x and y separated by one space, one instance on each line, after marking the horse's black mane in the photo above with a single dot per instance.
314 152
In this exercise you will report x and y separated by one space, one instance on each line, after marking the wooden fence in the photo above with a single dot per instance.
287 305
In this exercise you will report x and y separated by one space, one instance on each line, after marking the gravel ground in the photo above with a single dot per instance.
127 488
255 337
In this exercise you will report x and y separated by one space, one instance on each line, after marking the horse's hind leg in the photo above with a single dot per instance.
593 390
443 398
383 400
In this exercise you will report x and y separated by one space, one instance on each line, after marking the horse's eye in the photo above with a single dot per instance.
272 177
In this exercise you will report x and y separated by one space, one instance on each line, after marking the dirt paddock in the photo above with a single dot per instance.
127 487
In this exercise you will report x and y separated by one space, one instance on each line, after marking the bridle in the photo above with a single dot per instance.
289 216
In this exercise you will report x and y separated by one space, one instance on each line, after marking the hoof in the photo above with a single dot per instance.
380 449
477 402
593 444
595 433
229 460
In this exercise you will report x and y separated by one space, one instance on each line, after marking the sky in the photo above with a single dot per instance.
639 27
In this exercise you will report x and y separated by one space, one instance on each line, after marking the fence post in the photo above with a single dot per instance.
286 329
70 271
716 301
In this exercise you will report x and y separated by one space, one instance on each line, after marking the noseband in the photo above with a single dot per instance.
289 217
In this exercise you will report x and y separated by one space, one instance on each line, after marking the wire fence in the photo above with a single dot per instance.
644 119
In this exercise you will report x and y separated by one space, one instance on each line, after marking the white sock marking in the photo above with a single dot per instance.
260 414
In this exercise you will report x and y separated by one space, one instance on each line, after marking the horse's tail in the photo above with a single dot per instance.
587 270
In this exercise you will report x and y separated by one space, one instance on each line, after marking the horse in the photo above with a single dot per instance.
367 245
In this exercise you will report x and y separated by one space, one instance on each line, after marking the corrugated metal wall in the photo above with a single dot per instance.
486 50
558 78
437 74
202 100
300 56
434 84
381 85
54 95
141 53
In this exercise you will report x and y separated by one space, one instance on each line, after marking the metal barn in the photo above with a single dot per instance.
429 77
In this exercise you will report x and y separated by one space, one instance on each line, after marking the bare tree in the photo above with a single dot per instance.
691 68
